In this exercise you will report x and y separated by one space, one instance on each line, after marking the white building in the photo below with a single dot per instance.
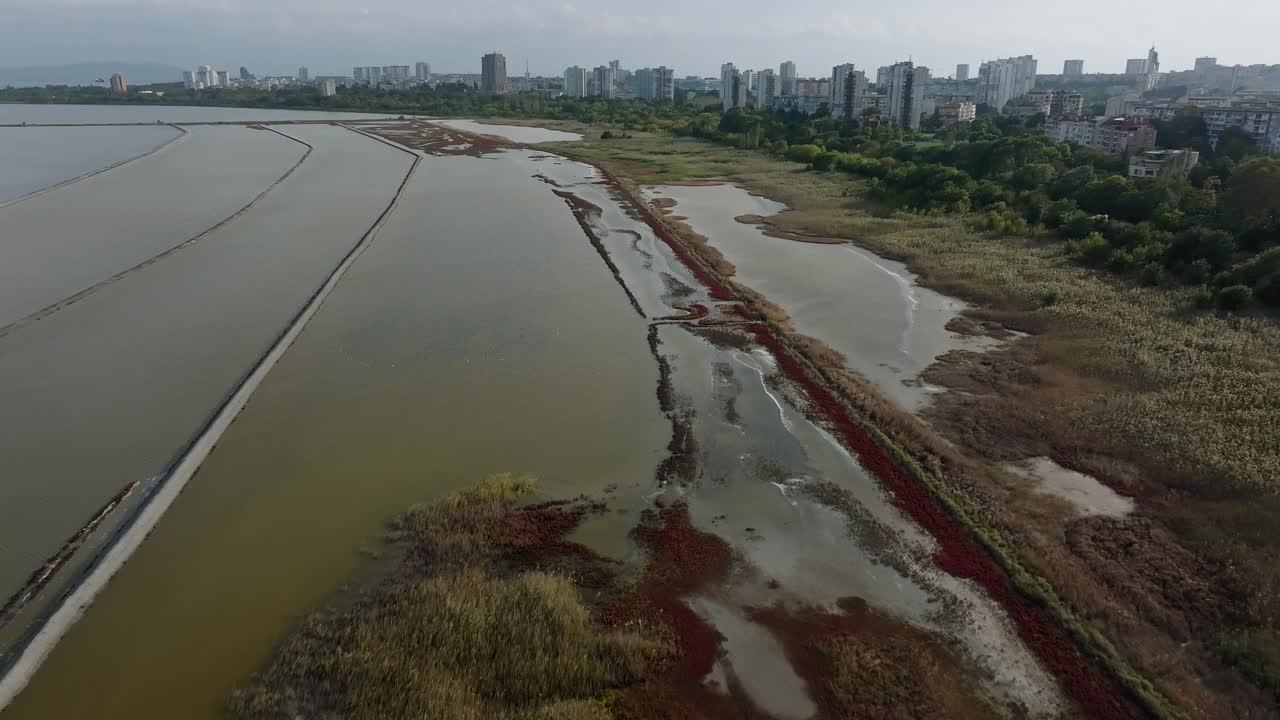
733 91
664 83
304 74
848 85
328 87
905 84
575 82
1158 163
1000 81
787 78
962 72
766 88
422 71
604 82
1072 68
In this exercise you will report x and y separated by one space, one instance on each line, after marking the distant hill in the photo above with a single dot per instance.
89 73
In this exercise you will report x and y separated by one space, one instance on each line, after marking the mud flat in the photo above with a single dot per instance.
514 133
105 392
865 307
62 242
34 158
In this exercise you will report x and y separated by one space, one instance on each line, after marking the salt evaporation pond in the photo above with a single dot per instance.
34 158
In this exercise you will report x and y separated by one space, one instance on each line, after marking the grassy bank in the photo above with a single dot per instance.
1173 405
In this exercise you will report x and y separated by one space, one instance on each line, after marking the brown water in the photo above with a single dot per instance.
467 340
480 333
59 243
107 390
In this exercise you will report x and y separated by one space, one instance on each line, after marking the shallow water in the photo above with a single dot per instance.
34 158
454 348
107 390
482 332
514 133
868 308
1084 492
60 243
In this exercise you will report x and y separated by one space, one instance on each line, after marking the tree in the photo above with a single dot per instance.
1236 144
1234 297
1251 196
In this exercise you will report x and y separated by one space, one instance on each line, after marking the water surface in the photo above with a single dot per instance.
33 158
107 390
15 113
514 133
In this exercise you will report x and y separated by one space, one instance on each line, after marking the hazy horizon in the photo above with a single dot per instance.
329 38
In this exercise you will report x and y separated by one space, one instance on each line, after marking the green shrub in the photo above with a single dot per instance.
1202 297
1234 297
803 153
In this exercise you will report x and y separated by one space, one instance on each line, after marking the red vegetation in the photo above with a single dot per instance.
959 554
718 290
697 311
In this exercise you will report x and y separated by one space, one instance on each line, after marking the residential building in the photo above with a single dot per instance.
1114 135
1072 68
906 84
1260 122
1205 64
664 83
947 89
1162 163
188 79
1066 102
962 72
206 77
766 88
1135 66
957 111
575 82
328 87
223 80
814 87
1000 81
245 75
733 92
493 74
304 74
787 78
604 82
422 71
749 80
118 85
847 88
882 78
645 88
395 73
1122 105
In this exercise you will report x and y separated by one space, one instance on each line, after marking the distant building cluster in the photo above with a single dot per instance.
614 81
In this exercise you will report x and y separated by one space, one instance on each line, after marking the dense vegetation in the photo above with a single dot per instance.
1218 229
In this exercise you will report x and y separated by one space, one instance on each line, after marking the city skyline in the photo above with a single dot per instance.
330 39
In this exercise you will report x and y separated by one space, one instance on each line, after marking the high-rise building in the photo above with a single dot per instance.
1153 70
575 82
395 73
206 77
766 88
304 74
1000 81
188 79
223 80
245 74
847 88
882 77
787 77
118 85
328 87
1065 103
493 74
729 81
749 80
644 82
962 71
1072 68
1135 66
906 84
422 71
664 83
1204 64
604 82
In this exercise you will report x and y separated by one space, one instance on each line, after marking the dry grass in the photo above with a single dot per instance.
461 631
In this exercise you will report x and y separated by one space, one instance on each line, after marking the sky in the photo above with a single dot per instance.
275 37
